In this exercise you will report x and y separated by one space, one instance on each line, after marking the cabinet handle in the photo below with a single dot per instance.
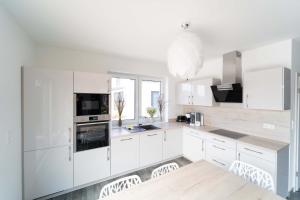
152 135
70 135
108 86
192 100
165 136
189 99
219 148
126 139
247 101
108 156
239 156
219 162
218 140
202 145
70 153
253 150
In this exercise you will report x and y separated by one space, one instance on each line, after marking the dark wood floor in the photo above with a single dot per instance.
92 192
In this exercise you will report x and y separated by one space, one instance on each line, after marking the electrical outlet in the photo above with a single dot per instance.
268 126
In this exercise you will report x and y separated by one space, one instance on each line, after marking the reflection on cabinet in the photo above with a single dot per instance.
172 143
47 171
193 145
151 150
267 89
86 82
274 162
91 165
48 108
124 154
196 92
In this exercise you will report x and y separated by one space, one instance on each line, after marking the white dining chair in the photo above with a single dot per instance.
119 185
164 169
253 174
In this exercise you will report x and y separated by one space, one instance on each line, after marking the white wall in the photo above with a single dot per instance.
54 57
15 50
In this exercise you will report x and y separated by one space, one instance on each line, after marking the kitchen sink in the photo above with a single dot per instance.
148 127
141 128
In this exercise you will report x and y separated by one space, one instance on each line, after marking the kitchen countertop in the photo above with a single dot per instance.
249 139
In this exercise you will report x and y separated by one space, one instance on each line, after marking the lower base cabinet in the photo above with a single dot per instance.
91 165
151 148
172 143
124 154
193 146
47 171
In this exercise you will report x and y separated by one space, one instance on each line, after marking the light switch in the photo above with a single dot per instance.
268 126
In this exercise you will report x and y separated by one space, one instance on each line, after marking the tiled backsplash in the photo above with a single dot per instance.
247 121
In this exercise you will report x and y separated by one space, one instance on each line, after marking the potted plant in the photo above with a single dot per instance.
120 104
151 112
161 103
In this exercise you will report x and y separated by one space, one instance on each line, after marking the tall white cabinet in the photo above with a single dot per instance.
267 89
48 131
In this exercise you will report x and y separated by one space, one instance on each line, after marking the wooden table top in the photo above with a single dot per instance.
200 180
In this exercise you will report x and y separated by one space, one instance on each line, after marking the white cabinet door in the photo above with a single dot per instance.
193 147
201 92
91 165
124 154
48 171
151 147
183 93
86 82
172 145
267 89
48 108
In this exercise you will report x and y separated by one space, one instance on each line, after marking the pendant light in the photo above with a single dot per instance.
185 54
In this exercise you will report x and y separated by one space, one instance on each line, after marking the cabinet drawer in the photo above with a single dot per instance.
221 140
218 161
257 152
192 132
227 154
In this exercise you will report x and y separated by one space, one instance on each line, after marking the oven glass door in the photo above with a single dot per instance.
92 104
92 135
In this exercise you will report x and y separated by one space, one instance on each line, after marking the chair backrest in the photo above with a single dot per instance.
253 174
119 185
164 169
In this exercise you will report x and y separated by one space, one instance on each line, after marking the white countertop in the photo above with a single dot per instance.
254 140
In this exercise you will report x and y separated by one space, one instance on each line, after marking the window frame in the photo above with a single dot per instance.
138 118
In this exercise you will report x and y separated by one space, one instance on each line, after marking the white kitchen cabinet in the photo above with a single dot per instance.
87 82
124 154
151 148
193 145
172 143
276 162
91 165
196 92
47 171
267 89
48 108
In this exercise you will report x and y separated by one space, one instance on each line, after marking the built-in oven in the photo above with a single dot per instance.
91 135
91 107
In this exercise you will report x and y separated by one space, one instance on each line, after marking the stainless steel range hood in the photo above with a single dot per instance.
230 90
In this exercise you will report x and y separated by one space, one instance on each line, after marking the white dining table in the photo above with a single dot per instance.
197 181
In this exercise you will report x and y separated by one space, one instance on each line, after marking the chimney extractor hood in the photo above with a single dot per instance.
230 91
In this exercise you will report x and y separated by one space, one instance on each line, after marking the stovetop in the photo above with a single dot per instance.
229 134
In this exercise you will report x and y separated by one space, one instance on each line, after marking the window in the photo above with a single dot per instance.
139 93
126 88
150 92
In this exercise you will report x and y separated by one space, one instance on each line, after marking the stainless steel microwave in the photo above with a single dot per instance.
91 107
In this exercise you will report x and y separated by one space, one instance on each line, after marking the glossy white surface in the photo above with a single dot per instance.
47 171
267 89
91 165
172 143
86 82
193 146
151 150
125 153
48 108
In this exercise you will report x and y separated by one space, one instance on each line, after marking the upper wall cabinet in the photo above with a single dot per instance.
268 89
196 92
85 82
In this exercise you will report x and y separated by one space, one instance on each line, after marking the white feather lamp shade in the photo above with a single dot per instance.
185 55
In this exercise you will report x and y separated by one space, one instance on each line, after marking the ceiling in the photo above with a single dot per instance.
145 28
